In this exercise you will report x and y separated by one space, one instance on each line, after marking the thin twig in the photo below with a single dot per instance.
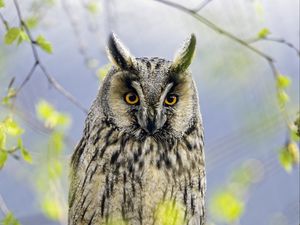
216 28
3 207
27 78
5 23
277 40
50 79
202 5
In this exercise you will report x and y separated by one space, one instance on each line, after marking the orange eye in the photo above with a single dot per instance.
131 98
171 100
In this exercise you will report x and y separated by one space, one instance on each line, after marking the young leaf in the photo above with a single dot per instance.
11 35
2 137
115 221
3 158
282 98
23 37
102 71
55 169
57 142
11 93
294 152
52 208
32 22
283 81
286 160
11 127
44 110
263 33
2 4
93 7
25 154
227 207
50 116
10 219
170 213
44 44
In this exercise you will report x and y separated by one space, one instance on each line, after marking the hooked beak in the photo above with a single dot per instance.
151 121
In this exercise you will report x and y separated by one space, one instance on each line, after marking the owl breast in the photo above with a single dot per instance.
117 177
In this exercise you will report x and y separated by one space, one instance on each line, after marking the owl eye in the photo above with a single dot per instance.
171 99
131 98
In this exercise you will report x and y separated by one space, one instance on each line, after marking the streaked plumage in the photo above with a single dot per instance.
132 158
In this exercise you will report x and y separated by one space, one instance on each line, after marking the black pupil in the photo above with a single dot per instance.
171 98
132 97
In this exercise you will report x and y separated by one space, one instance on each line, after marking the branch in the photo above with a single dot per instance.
4 21
277 40
3 207
38 63
216 28
202 5
27 78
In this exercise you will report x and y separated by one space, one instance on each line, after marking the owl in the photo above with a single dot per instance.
140 160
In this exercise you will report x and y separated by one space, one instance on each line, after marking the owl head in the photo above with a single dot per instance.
149 96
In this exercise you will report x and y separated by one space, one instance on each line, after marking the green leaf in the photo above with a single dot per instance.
227 207
283 81
2 4
32 22
259 9
93 7
286 160
294 134
50 116
114 221
102 71
44 110
57 142
3 158
10 94
294 152
11 35
2 137
23 37
282 98
55 169
44 44
263 33
170 213
10 219
11 127
25 154
52 208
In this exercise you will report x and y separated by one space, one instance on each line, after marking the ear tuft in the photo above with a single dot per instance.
118 54
184 56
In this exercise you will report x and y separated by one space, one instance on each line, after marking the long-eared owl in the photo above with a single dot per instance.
140 160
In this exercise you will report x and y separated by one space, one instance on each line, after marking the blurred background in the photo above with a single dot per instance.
252 151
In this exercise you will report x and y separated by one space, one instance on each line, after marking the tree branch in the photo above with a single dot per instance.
4 21
216 28
53 82
3 207
202 5
277 40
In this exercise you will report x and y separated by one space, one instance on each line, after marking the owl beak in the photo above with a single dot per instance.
151 122
151 126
